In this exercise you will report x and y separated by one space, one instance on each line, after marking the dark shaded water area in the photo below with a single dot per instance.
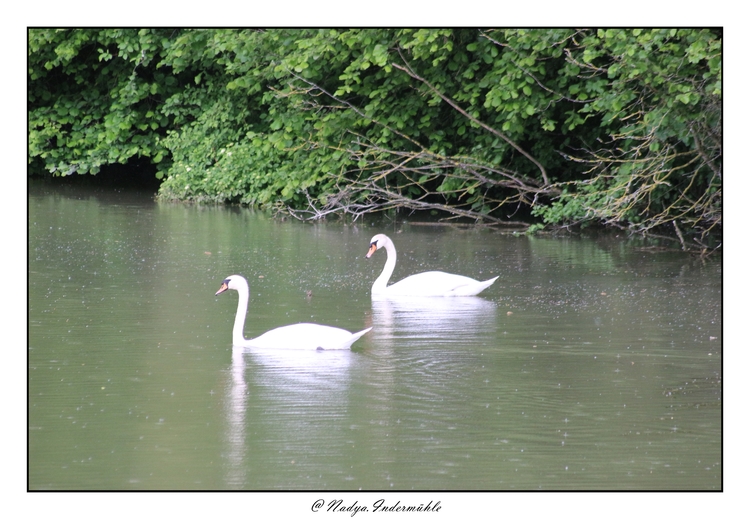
592 363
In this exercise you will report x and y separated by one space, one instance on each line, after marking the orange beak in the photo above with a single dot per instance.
371 251
224 287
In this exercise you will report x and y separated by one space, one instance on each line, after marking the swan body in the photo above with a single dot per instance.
306 336
424 284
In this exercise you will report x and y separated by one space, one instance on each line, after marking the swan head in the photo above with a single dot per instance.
231 283
376 242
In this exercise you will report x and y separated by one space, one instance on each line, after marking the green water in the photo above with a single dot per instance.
590 364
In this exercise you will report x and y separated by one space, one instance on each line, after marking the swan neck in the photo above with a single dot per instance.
238 336
382 282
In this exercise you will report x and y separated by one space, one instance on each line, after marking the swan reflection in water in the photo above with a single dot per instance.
235 411
278 400
431 318
295 374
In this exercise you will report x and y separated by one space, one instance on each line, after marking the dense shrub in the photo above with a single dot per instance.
621 127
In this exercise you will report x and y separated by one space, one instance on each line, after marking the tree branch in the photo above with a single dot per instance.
473 119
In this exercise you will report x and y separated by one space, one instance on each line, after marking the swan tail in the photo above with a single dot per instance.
360 334
473 289
356 336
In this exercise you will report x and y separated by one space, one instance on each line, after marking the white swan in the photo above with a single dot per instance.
424 284
306 336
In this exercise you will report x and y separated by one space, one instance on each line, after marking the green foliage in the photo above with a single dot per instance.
660 104
620 126
93 99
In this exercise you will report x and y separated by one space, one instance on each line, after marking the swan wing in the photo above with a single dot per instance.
436 283
307 336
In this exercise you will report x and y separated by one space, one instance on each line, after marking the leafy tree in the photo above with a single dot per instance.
657 95
95 100
621 127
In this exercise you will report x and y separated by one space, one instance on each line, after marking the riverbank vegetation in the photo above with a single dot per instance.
544 127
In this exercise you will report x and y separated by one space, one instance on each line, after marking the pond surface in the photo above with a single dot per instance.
589 364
